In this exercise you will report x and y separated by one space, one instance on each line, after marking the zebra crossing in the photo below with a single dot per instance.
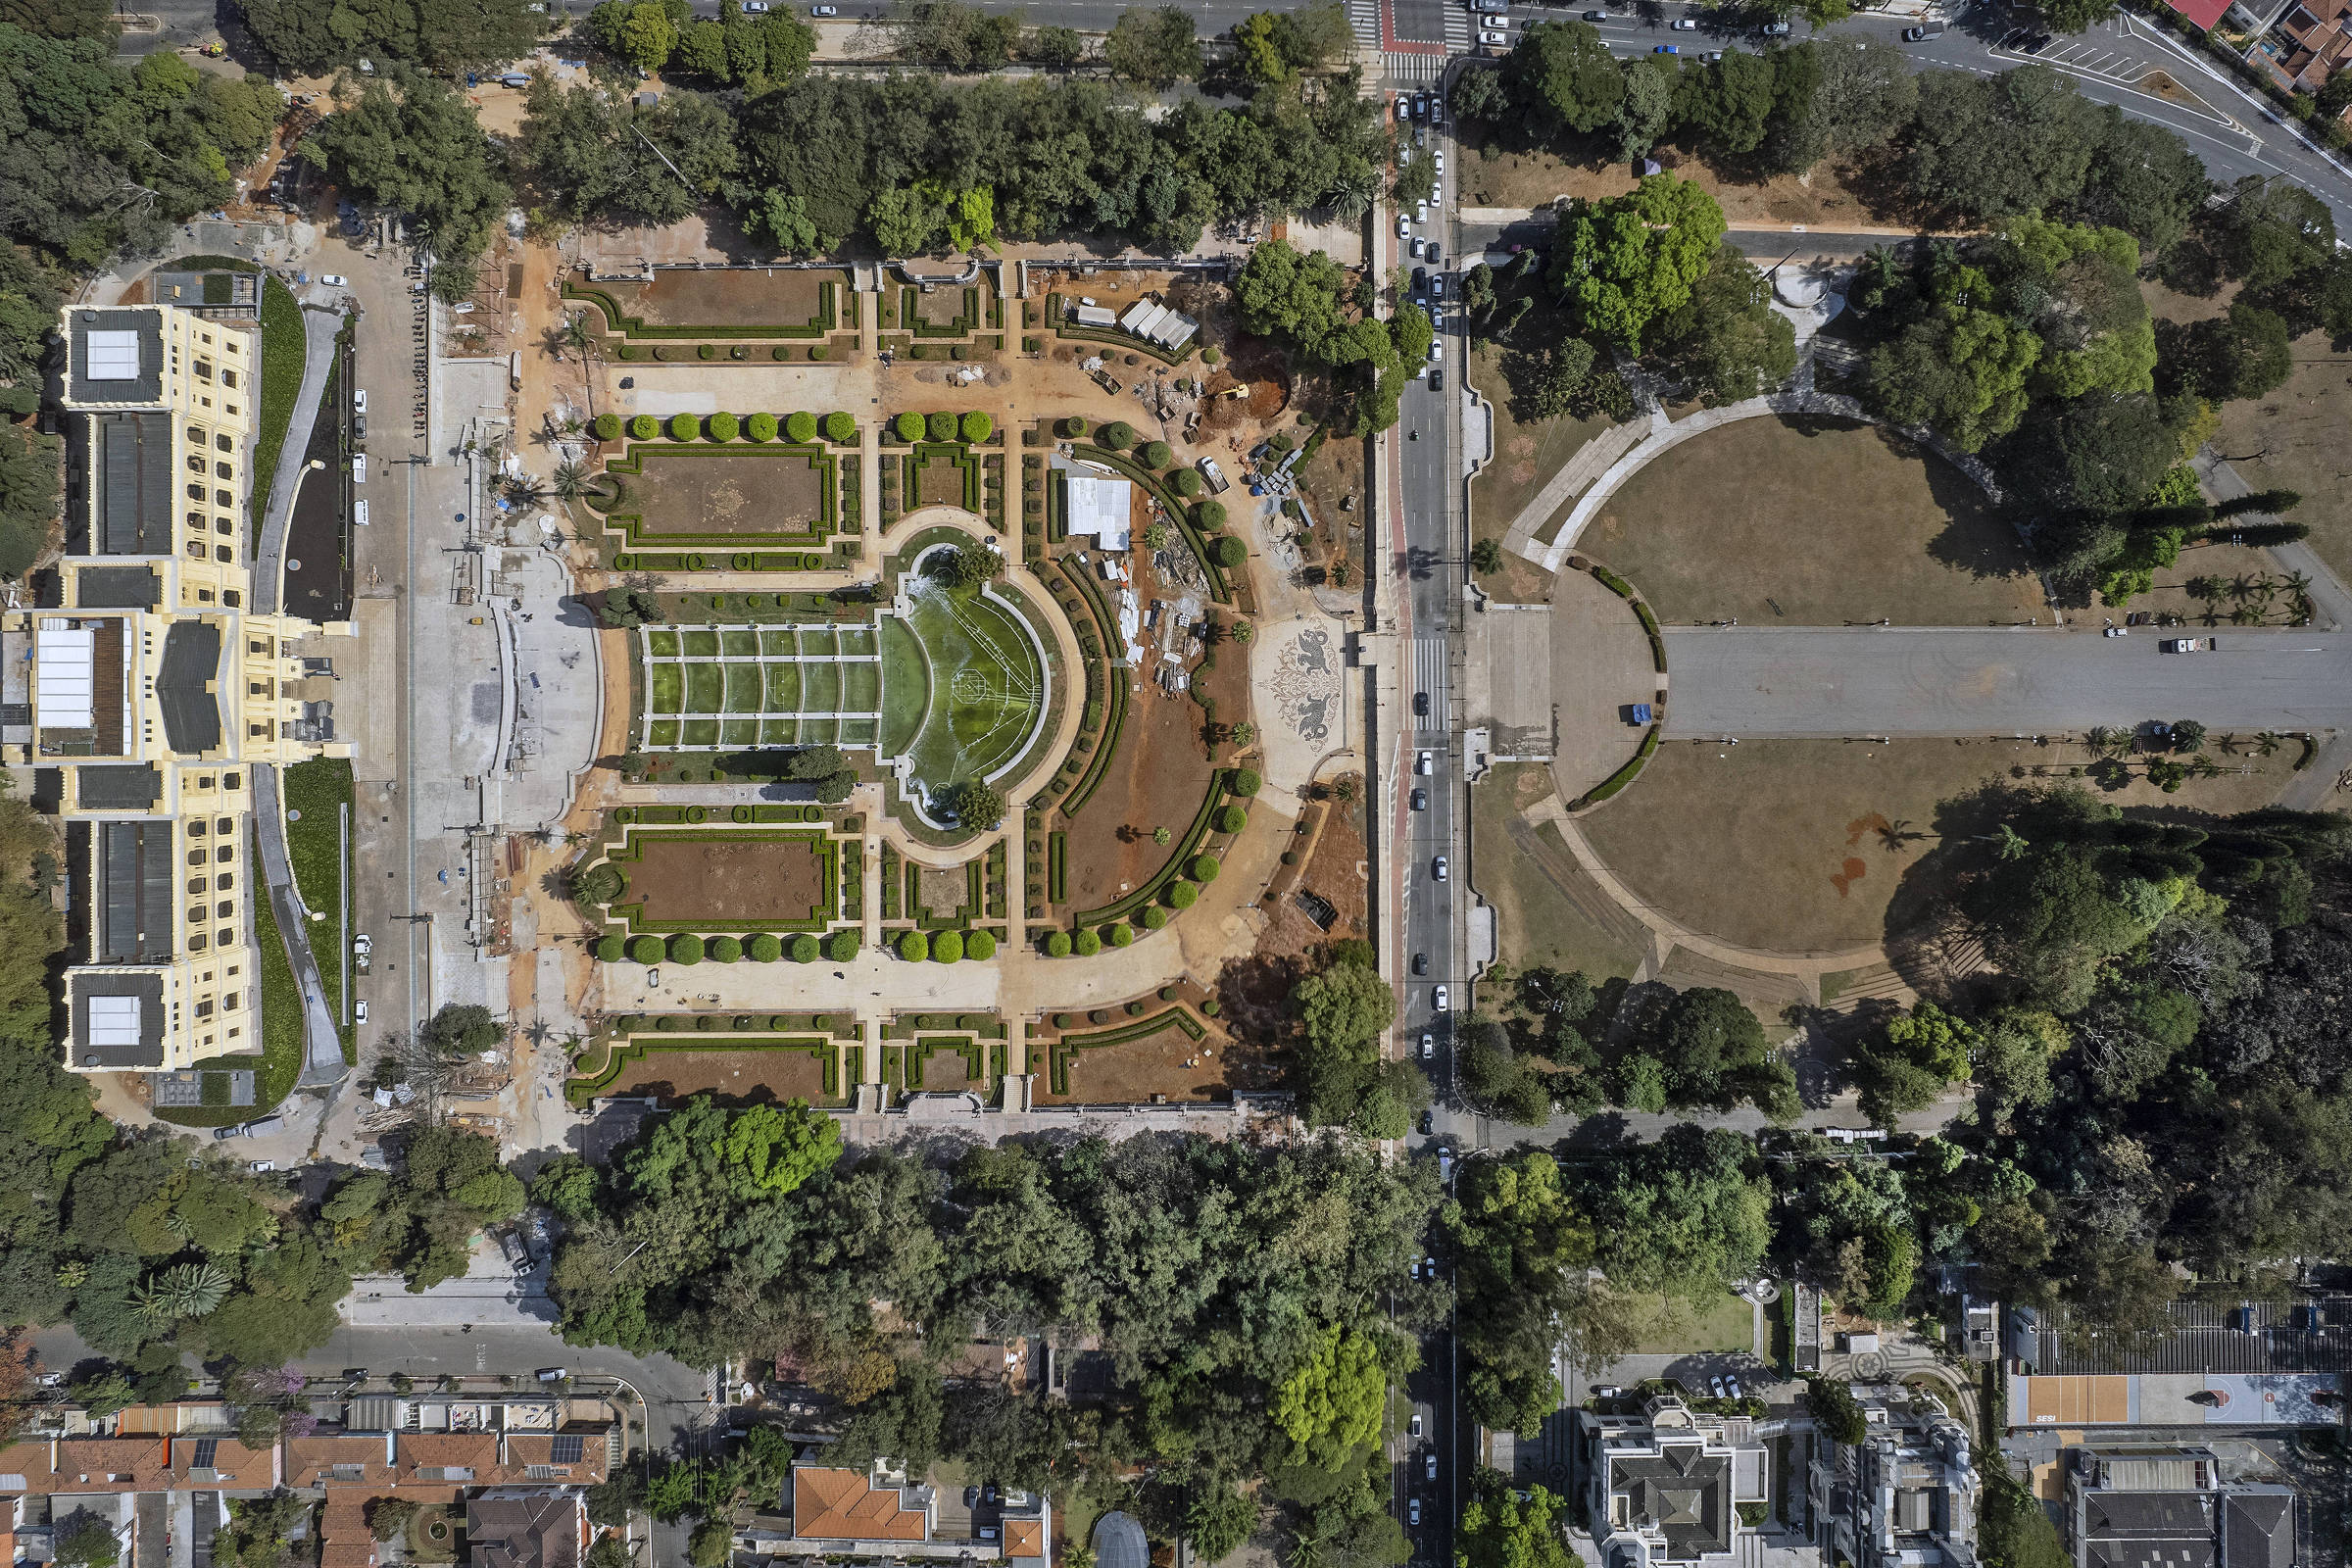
1412 70
1364 17
1429 679
1457 30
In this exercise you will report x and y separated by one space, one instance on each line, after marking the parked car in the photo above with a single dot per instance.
1437 869
1683 24
358 400
1597 16
337 279
1429 1045
755 8
1428 1120
237 1131
1445 1166
358 468
359 1010
359 513
1442 1000
1922 35
1732 1385
1715 1386
1487 35
1774 30
1420 106
554 1374
363 943
261 1167
1404 225
1713 56
824 10
2185 645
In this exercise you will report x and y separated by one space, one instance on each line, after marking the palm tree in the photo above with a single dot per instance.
2267 743
2241 588
576 335
193 1290
2245 615
571 482
2100 741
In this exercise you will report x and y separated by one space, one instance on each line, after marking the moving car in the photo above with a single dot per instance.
1430 1468
1420 963
2185 645
1420 704
1683 24
1426 763
1774 30
1429 1045
1922 35
1420 799
1488 35
1666 49
1413 1507
1597 16
1437 869
1416 1426
1443 1000
1436 379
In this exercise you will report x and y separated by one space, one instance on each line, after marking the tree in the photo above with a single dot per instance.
1485 555
1282 293
953 34
412 143
1155 48
1728 105
640 32
1903 1066
442 36
31 493
1481 95
1502 1529
1332 1401
774 1151
85 1541
2247 353
974 805
1218 1519
1726 339
1683 1215
1563 75
2271 232
1646 109
1961 369
1836 1411
2142 180
1055 45
460 1030
1993 147
1343 1007
711 1544
784 221
1863 92
1625 261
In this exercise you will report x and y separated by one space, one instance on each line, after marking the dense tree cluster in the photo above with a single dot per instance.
1242 1293
598 156
410 142
1308 303
1341 1009
443 35
754 53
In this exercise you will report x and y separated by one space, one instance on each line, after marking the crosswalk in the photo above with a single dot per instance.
1364 17
1412 70
1457 30
1428 678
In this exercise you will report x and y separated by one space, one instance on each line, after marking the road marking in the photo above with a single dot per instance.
1429 676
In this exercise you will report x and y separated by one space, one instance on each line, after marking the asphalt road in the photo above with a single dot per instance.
1840 681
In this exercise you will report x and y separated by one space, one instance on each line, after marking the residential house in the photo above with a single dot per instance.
1905 1496
2168 1506
526 1526
2307 44
1665 1485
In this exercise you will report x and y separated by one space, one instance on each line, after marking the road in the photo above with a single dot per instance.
1858 681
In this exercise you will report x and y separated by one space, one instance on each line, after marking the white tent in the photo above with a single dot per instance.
1100 508
64 665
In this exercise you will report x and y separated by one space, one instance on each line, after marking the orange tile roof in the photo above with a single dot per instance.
309 1460
1024 1538
476 1452
344 1540
830 1504
235 1467
528 1448
86 1464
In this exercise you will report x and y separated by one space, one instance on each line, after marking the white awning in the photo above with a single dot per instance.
64 663
1100 508
113 357
114 1022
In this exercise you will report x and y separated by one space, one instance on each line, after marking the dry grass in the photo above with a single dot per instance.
1813 525
1819 200
1526 457
1546 910
2294 439
1799 846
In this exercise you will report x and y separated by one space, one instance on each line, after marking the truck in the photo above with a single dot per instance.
518 1256
1213 477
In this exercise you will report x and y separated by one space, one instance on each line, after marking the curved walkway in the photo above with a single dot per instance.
319 328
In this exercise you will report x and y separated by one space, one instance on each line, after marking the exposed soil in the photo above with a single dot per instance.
1169 1062
688 880
942 485
750 1075
787 298
1830 195
1158 775
751 493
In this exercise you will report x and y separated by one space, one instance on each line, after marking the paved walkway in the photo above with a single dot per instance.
319 327
2328 596
1916 681
323 1062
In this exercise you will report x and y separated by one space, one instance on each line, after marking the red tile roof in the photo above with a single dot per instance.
2204 13
1024 1538
311 1461
830 1504
235 1466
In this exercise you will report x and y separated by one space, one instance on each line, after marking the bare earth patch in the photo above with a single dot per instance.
781 298
748 492
2294 439
1819 200
687 879
1813 525
755 1075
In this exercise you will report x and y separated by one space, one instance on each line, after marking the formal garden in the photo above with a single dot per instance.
723 313
758 883
726 492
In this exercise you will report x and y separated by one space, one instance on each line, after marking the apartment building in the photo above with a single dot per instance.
1905 1496
147 689
1666 1484
2171 1507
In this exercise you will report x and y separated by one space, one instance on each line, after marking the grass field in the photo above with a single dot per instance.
1526 457
795 698
320 791
1548 909
282 350
1827 522
2293 439
1799 846
982 686
1663 1327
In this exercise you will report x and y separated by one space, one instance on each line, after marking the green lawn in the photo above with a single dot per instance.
281 385
1724 1325
319 790
705 688
906 685
783 689
667 689
279 1065
985 691
742 688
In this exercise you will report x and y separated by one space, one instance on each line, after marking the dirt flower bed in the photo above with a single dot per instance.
752 492
751 1075
678 879
784 297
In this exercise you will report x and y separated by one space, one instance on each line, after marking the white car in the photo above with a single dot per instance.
1426 763
1685 24
824 10
1491 36
358 400
1437 350
2185 645
1437 869
1416 247
359 512
334 280
1429 1045
363 943
359 1011
755 8
1416 1426
1404 225
358 468
1430 1469
1441 999
1421 213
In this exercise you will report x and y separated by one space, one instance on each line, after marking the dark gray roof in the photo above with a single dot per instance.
131 484
1684 1492
191 659
149 989
2258 1529
2147 1513
117 588
133 893
512 1530
147 389
1119 1542
2314 1335
118 787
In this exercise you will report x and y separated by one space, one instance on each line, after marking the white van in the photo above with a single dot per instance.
359 512
359 468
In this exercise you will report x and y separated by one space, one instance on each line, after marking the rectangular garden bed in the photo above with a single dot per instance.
728 498
730 302
728 879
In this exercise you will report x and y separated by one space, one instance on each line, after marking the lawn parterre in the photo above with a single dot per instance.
682 305
317 794
725 496
283 349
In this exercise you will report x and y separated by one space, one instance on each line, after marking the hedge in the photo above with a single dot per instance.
1612 582
1154 918
1649 621
723 427
914 947
645 427
760 426
1623 776
1141 1028
1115 690
799 427
616 321
1185 849
622 1057
1218 588
684 427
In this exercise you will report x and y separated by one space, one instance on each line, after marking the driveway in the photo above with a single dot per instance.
1860 682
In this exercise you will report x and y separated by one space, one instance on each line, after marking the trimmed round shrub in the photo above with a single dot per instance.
1057 945
645 950
1135 1009
803 948
609 949
1098 1016
706 1023
978 426
947 948
645 427
979 945
1085 944
1212 355
1243 781
1187 482
1167 993
760 426
697 813
909 426
1119 935
841 945
1209 514
741 814
1156 455
723 427
914 947
765 947
1229 551
1118 436
1232 820
1182 895
1205 868
607 428
667 1022
1154 917
706 351
686 949
799 427
839 427
685 426
941 426
817 352
725 950
1213 1006
1075 425
1290 857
